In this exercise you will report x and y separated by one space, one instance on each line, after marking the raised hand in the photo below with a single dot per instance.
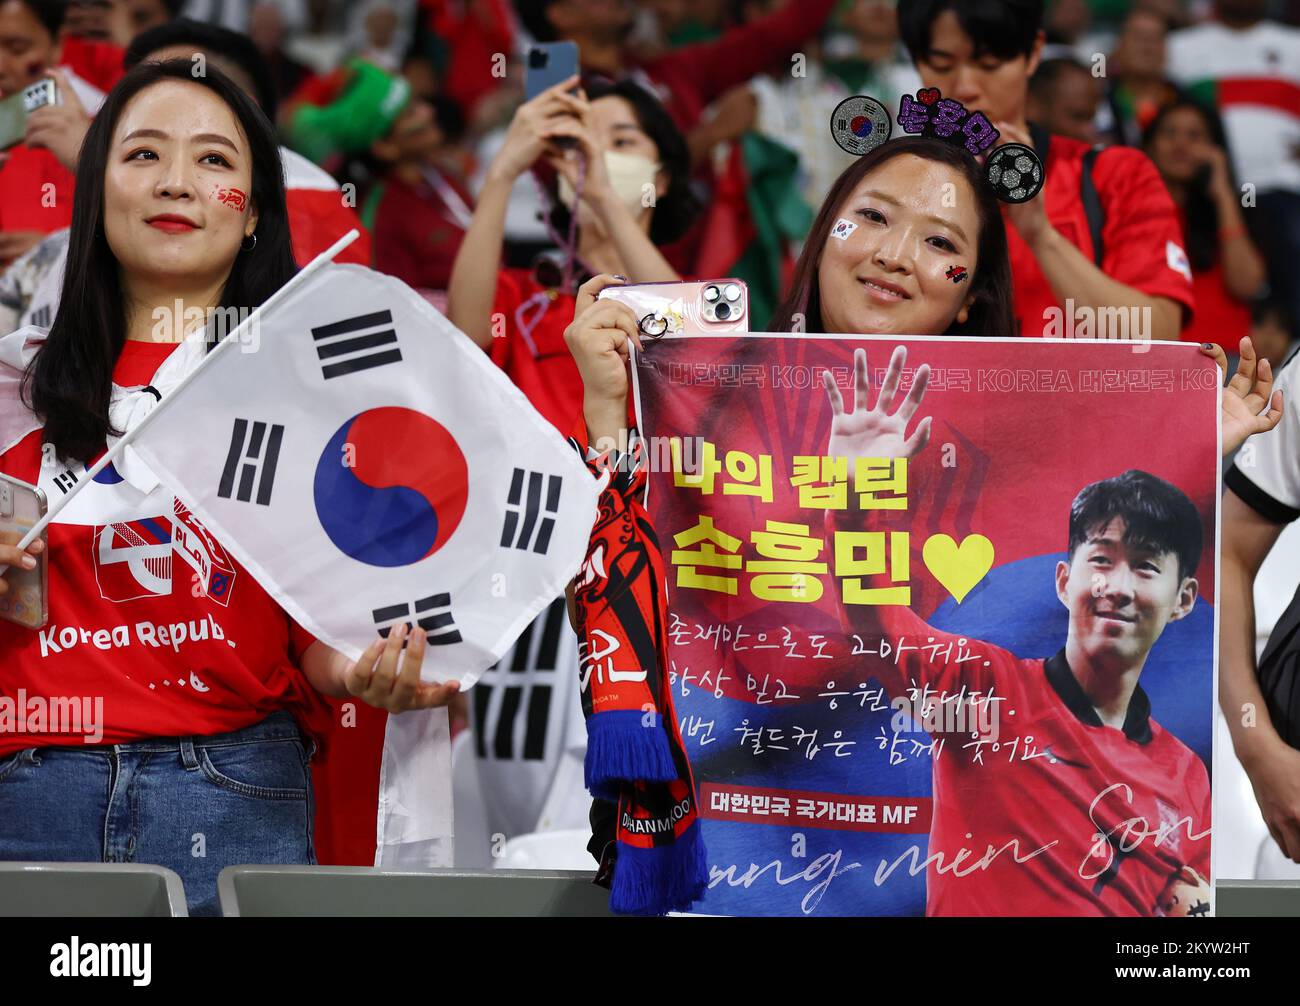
375 678
1247 395
876 432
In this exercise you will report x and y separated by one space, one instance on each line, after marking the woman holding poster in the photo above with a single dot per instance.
196 697
910 242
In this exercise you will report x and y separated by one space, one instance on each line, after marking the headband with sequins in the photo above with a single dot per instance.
860 124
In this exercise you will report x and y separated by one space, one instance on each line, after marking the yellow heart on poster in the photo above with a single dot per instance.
958 567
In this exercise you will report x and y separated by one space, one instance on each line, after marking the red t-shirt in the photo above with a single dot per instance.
1100 819
35 191
417 235
1220 317
1141 237
129 621
537 359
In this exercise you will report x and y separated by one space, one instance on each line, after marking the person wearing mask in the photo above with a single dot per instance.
628 167
1185 142
212 735
1139 276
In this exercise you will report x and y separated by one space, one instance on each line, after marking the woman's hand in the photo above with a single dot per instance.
597 190
375 679
598 338
874 432
12 557
1248 393
534 125
1216 158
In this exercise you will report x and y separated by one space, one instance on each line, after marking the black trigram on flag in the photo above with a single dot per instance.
432 614
66 480
250 462
520 686
526 524
359 343
41 316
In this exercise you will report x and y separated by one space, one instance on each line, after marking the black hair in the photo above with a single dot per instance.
1050 72
48 12
214 41
449 116
69 382
1157 516
534 15
676 209
1277 310
991 313
1202 213
1002 28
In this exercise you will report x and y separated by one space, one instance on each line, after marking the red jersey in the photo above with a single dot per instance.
1141 238
1220 317
35 191
532 350
1061 815
131 628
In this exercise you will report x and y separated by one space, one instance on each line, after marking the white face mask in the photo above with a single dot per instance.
629 174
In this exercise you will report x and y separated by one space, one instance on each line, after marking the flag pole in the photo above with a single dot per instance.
128 435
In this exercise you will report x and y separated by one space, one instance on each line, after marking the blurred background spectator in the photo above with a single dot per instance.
1185 141
1063 98
1137 86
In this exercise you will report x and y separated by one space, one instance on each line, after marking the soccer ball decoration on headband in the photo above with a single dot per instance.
860 124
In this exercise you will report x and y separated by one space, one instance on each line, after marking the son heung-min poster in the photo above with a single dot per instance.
941 619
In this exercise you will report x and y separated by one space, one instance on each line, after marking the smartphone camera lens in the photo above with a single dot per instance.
538 59
723 312
653 325
712 293
732 292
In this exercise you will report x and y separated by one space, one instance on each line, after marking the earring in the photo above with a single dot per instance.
246 246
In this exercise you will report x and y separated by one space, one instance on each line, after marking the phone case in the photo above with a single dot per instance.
685 308
26 601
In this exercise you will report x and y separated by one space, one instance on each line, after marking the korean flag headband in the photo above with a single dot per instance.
860 124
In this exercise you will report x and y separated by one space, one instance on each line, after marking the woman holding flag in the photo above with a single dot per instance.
199 696
888 253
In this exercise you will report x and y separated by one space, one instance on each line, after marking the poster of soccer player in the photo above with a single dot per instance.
941 619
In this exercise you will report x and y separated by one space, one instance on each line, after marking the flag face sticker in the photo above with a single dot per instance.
843 228
250 462
428 492
523 507
432 614
360 343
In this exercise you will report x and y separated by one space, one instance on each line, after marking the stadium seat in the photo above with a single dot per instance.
358 891
101 890
1272 898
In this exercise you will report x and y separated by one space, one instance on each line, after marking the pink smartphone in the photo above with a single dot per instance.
685 308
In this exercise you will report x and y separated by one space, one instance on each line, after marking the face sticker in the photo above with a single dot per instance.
843 228
957 273
233 198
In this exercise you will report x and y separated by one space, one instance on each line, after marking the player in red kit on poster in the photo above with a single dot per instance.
1111 816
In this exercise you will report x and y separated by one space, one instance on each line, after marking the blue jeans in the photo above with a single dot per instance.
192 804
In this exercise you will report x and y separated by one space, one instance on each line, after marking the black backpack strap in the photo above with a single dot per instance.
1092 208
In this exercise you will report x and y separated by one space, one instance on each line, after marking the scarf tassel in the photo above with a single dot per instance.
660 879
621 748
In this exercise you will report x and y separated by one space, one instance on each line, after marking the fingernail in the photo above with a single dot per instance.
1207 346
620 277
29 562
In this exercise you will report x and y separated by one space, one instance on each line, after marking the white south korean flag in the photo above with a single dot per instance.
367 463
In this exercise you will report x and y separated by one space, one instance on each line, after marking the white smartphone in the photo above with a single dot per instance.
685 308
26 602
